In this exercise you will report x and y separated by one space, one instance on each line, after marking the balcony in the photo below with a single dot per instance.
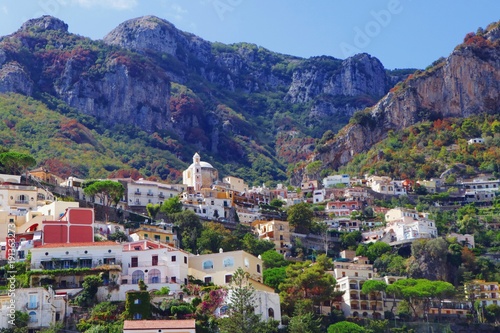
137 193
22 202
109 264
161 196
32 305
149 194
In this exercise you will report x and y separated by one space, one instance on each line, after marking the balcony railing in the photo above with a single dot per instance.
60 264
22 202
137 193
32 306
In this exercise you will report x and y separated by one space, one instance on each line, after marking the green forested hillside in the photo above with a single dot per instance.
429 148
74 144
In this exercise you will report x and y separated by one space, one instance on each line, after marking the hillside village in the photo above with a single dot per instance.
63 237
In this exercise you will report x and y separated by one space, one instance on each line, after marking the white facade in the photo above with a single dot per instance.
199 174
42 305
319 195
401 213
156 264
143 192
331 181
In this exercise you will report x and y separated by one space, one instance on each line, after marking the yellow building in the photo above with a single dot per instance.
162 234
236 184
485 292
218 268
275 231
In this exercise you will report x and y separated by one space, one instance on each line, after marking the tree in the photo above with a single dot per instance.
107 191
87 296
118 236
272 258
171 205
277 203
214 237
152 210
303 320
375 250
256 246
241 307
350 240
300 217
190 227
273 277
345 327
16 163
373 286
305 280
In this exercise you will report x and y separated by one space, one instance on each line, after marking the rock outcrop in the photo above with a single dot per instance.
464 84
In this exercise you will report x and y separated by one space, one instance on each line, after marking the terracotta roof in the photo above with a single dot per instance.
158 324
77 244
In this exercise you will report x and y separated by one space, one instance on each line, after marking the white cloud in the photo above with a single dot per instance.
113 4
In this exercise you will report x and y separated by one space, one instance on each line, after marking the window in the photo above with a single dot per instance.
33 318
154 260
270 313
174 258
146 236
154 276
247 263
258 268
136 276
137 301
228 278
208 279
157 238
134 262
228 262
185 259
167 238
20 254
137 316
209 264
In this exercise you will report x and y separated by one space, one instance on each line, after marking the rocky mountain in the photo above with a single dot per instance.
245 108
464 84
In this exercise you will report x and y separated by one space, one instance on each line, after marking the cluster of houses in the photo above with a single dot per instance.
60 235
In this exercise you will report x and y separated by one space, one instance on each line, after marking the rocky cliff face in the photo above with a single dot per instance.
356 76
464 84
236 102
110 87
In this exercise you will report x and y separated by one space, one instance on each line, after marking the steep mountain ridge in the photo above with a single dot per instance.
235 104
464 84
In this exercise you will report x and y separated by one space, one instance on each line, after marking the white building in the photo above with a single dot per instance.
199 174
331 181
319 195
143 192
43 306
156 264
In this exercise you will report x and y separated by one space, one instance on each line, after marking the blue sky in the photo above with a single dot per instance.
401 33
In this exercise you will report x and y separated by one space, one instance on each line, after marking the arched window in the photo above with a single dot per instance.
136 276
270 313
228 262
209 264
154 276
258 268
33 318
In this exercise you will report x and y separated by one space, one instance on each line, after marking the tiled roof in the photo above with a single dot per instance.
158 324
77 244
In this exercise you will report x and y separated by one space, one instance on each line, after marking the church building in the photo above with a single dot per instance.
199 174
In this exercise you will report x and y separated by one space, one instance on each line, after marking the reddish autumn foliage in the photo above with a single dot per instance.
129 173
